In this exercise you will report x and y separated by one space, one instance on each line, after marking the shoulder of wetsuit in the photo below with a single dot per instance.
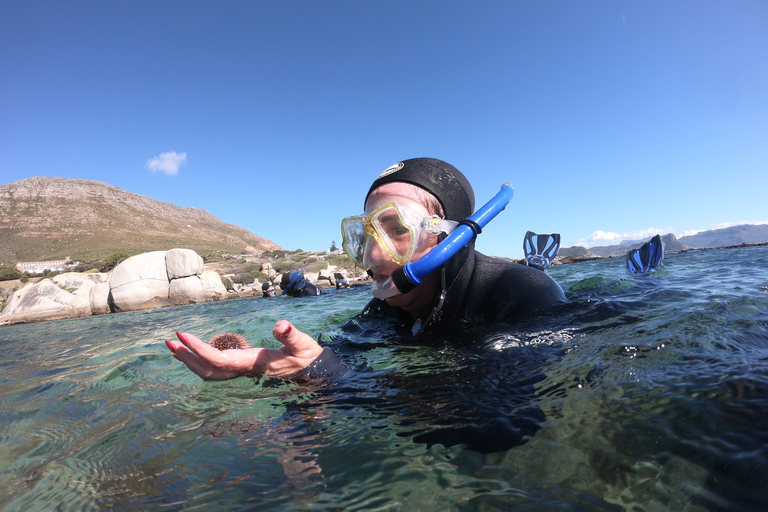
505 289
311 291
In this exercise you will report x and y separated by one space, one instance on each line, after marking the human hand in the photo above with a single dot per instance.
298 352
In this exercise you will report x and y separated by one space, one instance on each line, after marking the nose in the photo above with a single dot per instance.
375 253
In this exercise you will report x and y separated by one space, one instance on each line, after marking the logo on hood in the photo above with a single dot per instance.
391 169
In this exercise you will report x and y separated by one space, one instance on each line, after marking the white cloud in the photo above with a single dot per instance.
167 163
600 237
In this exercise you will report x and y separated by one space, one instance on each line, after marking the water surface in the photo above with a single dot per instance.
645 393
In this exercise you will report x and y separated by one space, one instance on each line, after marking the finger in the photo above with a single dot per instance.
203 368
205 360
172 347
295 342
200 347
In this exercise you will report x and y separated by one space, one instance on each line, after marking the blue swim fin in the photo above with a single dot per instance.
540 250
647 258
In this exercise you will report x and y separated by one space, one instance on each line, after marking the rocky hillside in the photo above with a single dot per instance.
51 218
671 244
725 237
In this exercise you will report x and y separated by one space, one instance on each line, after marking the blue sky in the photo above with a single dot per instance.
612 119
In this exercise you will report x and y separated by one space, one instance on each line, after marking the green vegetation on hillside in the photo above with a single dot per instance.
245 270
52 218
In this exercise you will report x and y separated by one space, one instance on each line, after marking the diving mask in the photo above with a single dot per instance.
397 229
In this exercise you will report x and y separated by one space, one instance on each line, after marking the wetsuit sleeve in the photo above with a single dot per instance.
326 364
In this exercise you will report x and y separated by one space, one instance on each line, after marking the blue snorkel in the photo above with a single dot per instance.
409 276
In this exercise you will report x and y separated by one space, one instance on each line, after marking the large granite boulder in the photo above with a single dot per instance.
213 288
187 290
140 282
80 286
77 280
40 301
267 269
182 263
149 280
98 297
326 275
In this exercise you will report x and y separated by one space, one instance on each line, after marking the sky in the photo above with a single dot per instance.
613 120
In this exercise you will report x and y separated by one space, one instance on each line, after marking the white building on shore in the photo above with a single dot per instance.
38 267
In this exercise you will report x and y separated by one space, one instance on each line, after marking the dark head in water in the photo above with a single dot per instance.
647 258
409 209
267 290
431 202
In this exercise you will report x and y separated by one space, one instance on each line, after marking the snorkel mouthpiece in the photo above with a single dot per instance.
409 276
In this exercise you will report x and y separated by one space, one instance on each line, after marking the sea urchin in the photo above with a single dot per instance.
229 340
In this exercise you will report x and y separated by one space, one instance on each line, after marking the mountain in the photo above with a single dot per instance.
671 244
50 218
725 237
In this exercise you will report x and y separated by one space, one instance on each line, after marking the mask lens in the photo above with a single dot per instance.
353 233
389 229
394 233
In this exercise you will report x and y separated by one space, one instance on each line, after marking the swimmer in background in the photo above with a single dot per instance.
469 288
267 290
294 285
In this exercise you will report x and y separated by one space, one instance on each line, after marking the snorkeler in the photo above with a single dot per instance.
294 285
267 290
410 209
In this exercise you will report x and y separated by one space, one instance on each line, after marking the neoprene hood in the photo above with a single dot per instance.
441 179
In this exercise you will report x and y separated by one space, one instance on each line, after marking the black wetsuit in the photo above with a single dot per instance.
488 407
479 288
475 288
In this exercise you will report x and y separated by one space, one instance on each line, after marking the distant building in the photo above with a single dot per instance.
38 267
243 256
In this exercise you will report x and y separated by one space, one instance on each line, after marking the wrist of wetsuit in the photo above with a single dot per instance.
326 364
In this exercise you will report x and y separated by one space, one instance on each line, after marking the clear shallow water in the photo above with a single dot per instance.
645 393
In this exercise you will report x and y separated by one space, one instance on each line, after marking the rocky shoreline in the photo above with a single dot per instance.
145 281
156 279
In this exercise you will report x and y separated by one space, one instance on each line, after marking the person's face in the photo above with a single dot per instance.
421 298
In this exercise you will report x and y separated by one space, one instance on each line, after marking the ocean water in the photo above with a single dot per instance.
645 394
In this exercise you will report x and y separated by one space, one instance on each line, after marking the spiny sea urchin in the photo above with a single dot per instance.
229 340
